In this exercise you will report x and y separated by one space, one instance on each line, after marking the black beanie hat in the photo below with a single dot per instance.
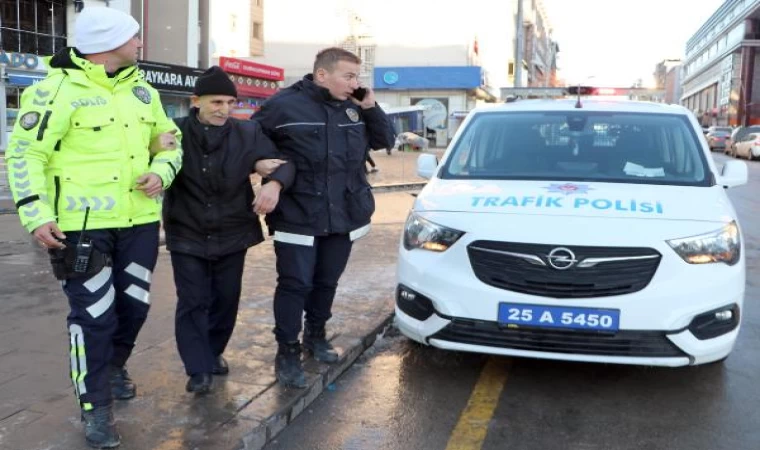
214 81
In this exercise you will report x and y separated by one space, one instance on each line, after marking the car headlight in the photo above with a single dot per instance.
723 245
426 235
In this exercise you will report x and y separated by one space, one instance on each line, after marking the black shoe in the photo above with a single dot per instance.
315 342
220 366
100 428
122 387
287 365
200 383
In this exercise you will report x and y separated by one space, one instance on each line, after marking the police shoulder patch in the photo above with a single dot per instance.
142 93
352 114
29 120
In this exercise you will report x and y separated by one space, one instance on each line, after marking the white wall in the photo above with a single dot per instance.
406 32
230 28
398 55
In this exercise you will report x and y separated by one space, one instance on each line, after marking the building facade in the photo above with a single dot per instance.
446 93
180 39
673 85
721 66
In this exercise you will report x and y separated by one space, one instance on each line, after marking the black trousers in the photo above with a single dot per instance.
307 277
208 295
108 309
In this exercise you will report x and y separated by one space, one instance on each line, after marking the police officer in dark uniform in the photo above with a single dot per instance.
211 219
323 124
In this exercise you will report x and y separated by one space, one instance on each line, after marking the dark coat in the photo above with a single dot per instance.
327 141
208 209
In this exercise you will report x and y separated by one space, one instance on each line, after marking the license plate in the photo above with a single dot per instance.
559 317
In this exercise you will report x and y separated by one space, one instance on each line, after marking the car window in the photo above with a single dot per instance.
744 131
582 145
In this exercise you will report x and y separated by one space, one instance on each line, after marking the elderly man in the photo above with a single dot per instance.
211 220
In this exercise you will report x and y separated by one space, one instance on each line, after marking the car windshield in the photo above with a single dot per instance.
722 130
579 146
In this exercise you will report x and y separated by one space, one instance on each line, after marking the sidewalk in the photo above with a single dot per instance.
247 408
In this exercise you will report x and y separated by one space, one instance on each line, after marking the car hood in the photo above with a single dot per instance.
610 200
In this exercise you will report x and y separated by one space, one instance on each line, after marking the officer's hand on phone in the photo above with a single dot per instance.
150 183
268 197
49 235
265 167
367 100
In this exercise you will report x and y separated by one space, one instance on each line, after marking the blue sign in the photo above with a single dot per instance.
434 77
559 317
390 77
25 79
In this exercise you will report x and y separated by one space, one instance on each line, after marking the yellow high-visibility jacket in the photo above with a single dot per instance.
81 140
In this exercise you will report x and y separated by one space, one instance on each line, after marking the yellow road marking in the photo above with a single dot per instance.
472 427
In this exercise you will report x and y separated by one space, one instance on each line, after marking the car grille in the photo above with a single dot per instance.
496 264
622 343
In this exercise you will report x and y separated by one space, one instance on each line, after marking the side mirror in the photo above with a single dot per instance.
426 165
734 174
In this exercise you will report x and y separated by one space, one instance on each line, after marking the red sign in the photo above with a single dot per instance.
254 87
251 69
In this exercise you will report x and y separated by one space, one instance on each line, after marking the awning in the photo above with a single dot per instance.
24 79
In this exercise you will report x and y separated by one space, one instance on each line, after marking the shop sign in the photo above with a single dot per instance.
168 77
251 69
254 87
28 61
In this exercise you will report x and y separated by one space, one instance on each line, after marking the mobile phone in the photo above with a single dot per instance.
359 93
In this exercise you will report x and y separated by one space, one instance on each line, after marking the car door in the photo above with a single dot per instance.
742 147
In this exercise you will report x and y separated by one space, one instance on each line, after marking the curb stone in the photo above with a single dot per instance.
271 426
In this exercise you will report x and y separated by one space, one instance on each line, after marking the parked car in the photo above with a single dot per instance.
748 146
522 245
737 134
716 137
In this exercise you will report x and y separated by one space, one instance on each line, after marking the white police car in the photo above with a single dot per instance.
593 232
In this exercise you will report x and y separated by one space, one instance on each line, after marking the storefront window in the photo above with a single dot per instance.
13 99
28 26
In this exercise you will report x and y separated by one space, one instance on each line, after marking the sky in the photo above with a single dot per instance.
615 41
619 41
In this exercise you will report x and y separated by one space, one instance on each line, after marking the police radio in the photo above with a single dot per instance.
84 248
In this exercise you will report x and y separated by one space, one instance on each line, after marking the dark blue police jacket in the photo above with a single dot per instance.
328 141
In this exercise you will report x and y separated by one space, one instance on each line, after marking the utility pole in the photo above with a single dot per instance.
519 44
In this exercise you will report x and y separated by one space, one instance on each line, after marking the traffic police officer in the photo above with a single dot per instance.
324 124
211 220
92 143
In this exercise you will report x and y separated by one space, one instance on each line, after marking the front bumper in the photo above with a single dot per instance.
651 348
668 323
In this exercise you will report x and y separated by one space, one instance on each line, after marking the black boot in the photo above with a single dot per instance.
220 366
122 387
200 383
99 428
315 342
287 365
